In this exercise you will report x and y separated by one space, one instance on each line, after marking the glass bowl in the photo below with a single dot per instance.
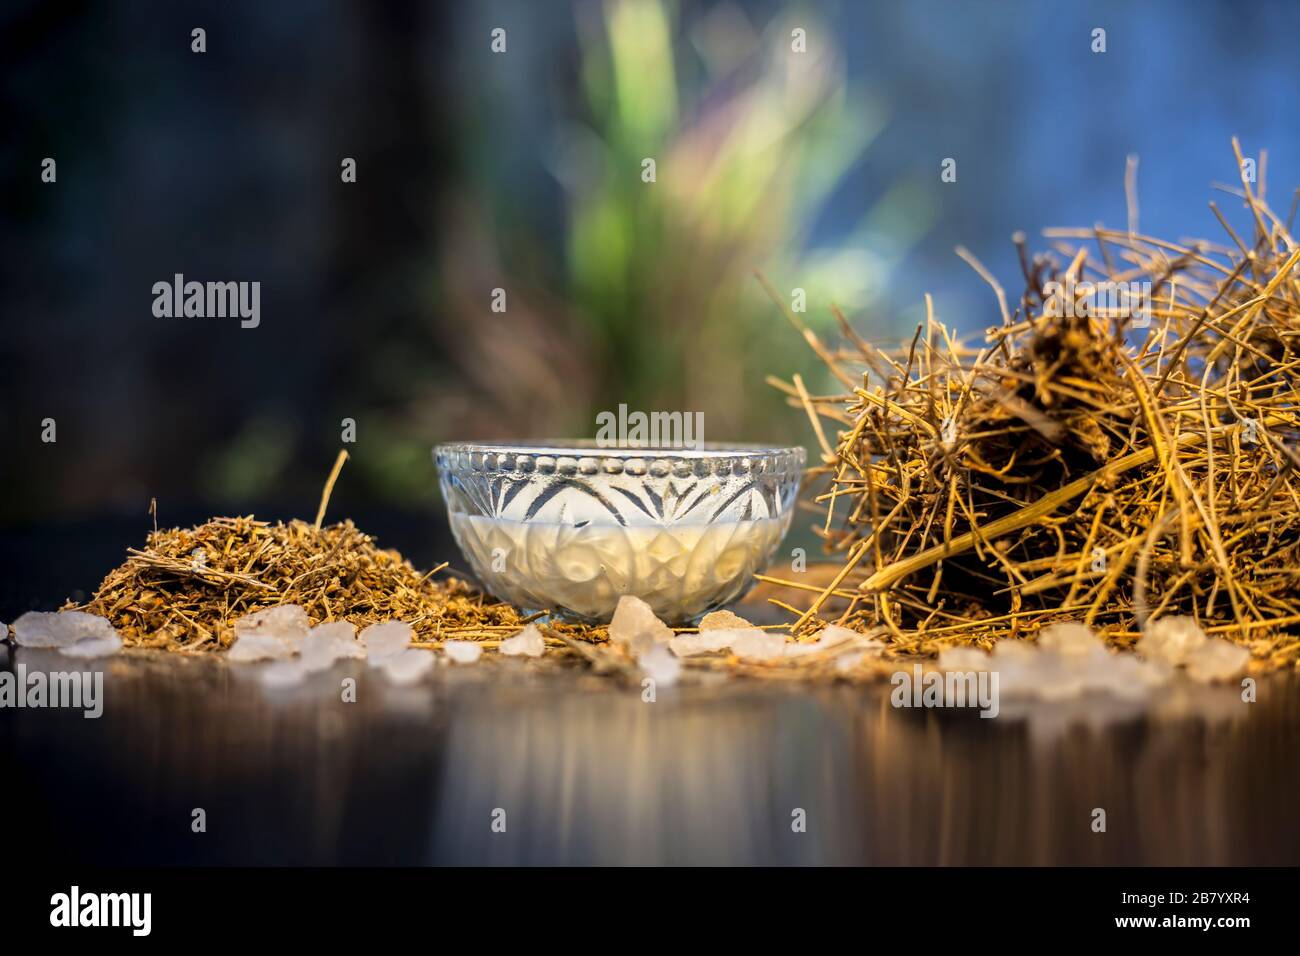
571 527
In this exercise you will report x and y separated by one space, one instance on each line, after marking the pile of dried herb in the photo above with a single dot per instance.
185 589
1080 465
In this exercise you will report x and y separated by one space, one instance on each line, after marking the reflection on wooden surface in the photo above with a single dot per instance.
585 772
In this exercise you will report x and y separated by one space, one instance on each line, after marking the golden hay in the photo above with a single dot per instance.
1077 466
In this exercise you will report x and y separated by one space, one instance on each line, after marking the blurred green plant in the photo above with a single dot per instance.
650 300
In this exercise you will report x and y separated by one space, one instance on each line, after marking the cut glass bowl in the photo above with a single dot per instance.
570 527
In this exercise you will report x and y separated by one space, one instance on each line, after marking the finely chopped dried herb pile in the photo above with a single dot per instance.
1080 464
185 589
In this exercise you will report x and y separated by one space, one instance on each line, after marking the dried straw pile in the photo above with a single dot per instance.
1076 467
185 589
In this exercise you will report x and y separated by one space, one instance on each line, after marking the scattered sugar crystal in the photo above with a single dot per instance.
1171 640
60 628
273 634
319 654
1070 640
705 642
1217 660
1014 650
1055 680
850 661
828 637
462 652
337 630
408 666
73 633
1127 676
1068 661
660 664
723 620
327 643
42 629
635 626
1149 673
386 640
261 647
283 673
527 642
963 659
756 645
1018 677
801 649
833 634
93 647
287 622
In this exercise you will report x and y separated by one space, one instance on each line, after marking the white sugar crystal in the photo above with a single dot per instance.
386 640
833 634
660 664
1067 661
1149 673
527 642
73 633
798 649
60 628
261 647
1014 650
93 647
287 622
462 652
1124 675
828 637
1054 679
273 634
408 666
850 661
705 642
1171 640
1020 676
1070 640
722 621
964 659
344 631
319 654
283 673
1071 665
1217 660
635 626
328 643
756 645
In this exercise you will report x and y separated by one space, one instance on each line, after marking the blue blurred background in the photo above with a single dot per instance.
522 170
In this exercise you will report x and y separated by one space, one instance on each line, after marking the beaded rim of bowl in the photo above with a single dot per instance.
585 457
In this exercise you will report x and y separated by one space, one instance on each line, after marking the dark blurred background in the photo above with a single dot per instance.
522 170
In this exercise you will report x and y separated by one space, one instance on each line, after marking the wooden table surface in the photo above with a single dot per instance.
586 772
